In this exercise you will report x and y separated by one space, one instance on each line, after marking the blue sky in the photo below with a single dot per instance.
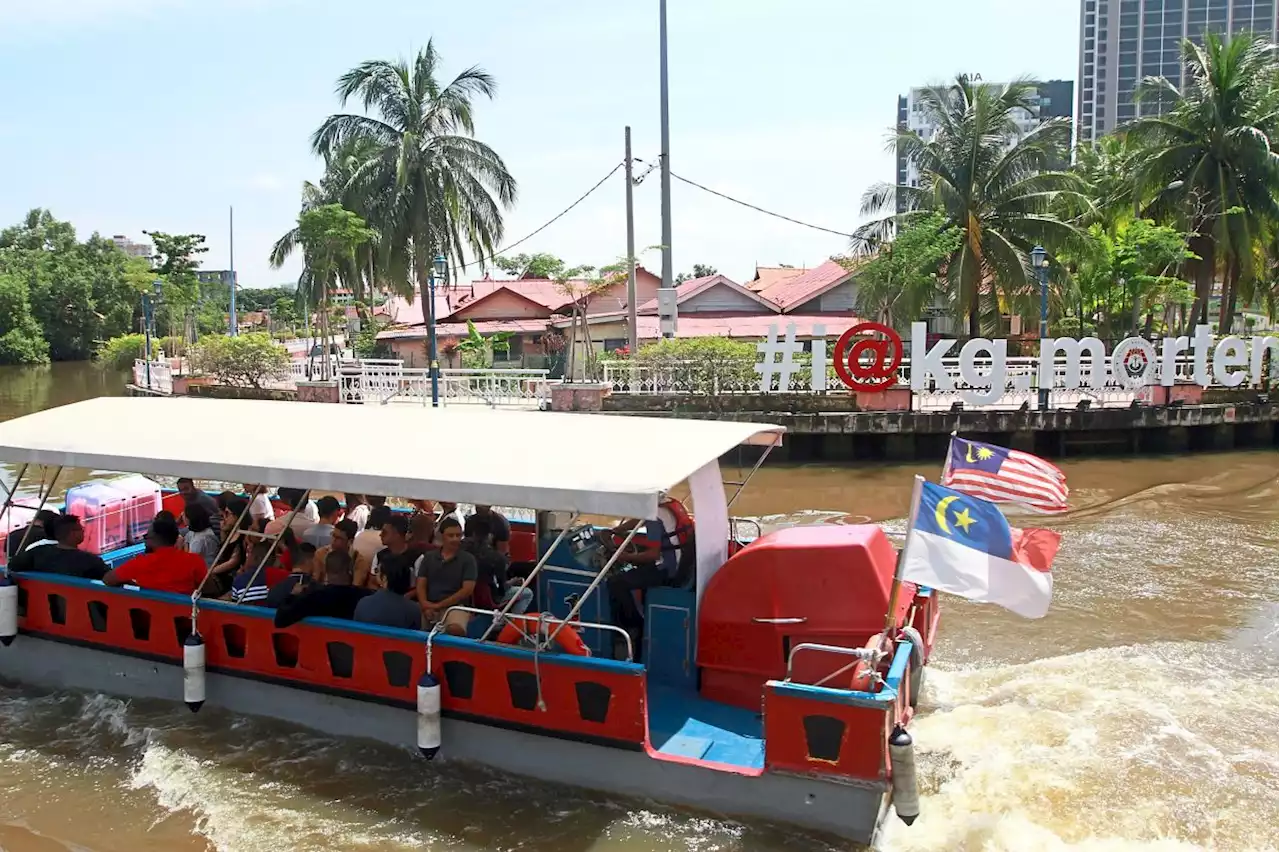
121 115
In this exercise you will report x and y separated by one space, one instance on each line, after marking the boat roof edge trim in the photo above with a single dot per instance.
591 463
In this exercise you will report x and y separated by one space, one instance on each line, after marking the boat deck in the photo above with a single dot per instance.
684 725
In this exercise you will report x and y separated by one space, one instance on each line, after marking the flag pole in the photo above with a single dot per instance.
891 617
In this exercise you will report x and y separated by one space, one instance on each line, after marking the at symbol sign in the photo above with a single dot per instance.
886 355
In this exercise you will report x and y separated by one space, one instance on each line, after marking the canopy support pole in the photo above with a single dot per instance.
743 484
45 494
275 540
595 583
499 615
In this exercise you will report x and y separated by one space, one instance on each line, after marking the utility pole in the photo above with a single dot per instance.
668 272
231 225
633 339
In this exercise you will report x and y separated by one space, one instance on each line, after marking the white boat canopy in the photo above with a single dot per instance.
592 463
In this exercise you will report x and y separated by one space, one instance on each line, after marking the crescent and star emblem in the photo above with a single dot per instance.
962 518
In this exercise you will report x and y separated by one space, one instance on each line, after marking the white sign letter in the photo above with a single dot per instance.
928 364
1202 343
1230 352
1072 350
993 381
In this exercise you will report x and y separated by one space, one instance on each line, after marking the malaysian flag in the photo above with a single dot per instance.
1004 476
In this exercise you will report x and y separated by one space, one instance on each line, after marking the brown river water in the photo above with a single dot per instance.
1141 714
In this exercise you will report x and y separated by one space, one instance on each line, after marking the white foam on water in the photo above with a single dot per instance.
238 813
1140 749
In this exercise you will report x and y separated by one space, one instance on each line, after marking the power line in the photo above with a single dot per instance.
548 223
759 209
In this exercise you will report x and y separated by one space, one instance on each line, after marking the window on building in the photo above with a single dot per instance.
613 344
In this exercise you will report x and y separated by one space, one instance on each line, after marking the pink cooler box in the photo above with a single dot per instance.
102 510
142 502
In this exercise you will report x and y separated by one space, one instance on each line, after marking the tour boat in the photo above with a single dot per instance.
776 685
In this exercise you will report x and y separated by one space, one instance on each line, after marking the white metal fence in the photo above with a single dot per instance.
159 379
389 381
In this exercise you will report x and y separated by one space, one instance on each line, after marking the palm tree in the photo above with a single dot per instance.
1211 159
360 274
424 182
999 195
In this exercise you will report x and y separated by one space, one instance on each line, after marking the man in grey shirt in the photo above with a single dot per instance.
447 577
388 606
330 512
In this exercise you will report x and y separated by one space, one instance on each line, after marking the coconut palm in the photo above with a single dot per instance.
1211 159
425 183
1000 196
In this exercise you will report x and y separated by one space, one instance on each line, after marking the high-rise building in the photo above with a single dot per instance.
1055 101
1123 41
131 248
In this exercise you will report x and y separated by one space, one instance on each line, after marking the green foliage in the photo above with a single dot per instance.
706 365
902 279
246 360
1003 198
1122 274
76 293
539 265
414 169
477 350
119 353
21 341
700 270
176 266
265 298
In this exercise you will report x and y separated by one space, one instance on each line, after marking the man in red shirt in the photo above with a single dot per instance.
165 568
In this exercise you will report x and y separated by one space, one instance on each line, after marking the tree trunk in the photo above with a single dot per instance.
1203 246
1227 308
1149 324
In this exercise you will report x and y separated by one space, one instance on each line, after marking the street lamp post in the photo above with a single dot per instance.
1042 272
437 271
148 320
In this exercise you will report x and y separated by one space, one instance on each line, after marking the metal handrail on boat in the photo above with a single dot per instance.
860 655
528 580
545 619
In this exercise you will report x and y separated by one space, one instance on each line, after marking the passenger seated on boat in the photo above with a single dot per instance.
330 513
422 532
40 535
166 568
337 598
493 587
447 510
192 496
388 605
499 528
357 510
395 547
63 557
294 497
251 585
344 532
651 561
234 551
259 504
447 577
200 538
369 540
303 572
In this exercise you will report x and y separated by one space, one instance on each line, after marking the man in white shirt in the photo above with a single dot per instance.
369 541
260 508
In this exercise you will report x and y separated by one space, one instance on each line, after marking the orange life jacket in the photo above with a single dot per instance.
567 639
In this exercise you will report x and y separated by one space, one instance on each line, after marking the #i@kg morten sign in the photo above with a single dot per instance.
869 355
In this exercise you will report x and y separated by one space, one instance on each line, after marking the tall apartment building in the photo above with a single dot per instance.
1123 41
131 248
1056 99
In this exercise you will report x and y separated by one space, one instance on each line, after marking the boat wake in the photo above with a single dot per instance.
1145 749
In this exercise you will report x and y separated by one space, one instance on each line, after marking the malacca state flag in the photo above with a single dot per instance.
1004 476
963 545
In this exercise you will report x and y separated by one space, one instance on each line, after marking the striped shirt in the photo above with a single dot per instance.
243 593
